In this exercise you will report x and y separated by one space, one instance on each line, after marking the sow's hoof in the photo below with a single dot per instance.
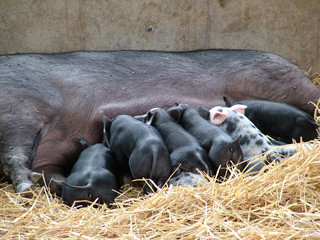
25 188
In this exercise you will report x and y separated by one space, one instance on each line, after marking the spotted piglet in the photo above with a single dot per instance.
253 141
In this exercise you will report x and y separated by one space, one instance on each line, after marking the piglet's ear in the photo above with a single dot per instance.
203 112
84 143
149 118
226 101
217 117
174 113
141 118
238 108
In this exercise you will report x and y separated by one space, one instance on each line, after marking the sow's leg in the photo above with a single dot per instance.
17 150
27 107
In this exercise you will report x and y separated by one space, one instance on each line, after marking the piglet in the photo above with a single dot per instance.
253 141
232 121
184 149
222 149
139 149
92 176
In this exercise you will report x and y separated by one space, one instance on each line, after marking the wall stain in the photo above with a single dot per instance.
222 3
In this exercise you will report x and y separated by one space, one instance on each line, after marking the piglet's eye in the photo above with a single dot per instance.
89 194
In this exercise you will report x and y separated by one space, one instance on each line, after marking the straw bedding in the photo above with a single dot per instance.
281 203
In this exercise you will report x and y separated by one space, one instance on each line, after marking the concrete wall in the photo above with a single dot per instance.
290 28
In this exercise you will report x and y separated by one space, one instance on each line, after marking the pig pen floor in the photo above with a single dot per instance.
281 203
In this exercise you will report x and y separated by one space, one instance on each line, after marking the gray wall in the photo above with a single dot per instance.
290 28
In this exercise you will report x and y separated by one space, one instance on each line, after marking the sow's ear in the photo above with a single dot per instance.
175 113
217 117
84 143
106 130
203 112
239 108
